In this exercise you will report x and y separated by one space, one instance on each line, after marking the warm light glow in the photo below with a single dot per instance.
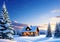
31 33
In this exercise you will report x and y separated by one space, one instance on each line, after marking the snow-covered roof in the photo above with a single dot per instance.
33 29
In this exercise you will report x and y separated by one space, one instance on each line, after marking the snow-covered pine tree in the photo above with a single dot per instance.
49 34
5 25
57 31
1 28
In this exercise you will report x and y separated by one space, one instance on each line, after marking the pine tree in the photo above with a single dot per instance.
5 25
1 24
57 31
49 34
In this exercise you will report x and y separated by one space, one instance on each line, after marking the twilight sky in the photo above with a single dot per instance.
34 12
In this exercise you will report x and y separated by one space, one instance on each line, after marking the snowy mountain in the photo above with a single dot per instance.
17 25
42 32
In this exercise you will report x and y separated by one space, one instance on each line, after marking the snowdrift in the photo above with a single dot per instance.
6 40
41 38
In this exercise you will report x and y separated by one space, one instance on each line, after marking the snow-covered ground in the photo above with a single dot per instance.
6 40
41 38
29 39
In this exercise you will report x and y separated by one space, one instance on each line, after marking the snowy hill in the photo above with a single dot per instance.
40 38
28 39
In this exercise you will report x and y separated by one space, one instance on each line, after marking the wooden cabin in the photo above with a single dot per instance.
30 31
